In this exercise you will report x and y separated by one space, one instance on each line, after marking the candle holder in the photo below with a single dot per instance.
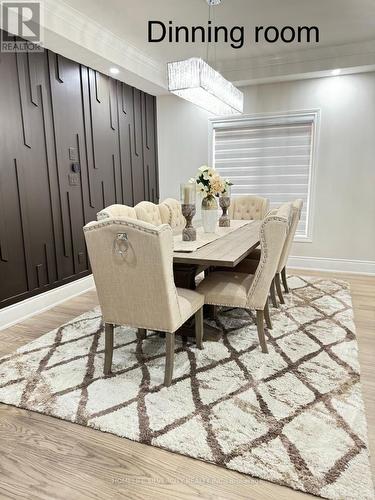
188 192
224 202
189 233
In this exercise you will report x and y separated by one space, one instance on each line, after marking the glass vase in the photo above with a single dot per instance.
209 214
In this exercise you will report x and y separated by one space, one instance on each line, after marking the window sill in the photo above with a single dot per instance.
302 239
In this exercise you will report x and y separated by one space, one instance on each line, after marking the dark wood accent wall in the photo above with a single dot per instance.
72 141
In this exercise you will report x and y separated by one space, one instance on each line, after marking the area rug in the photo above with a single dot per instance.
294 416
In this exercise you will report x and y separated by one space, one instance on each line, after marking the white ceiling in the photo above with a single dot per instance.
340 22
105 33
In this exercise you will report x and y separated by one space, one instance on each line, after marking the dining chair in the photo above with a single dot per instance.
148 212
292 210
116 211
248 207
132 266
250 291
171 213
281 269
250 263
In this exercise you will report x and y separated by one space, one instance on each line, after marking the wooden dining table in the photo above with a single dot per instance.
226 251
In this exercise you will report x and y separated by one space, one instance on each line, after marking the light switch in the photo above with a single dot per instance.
73 154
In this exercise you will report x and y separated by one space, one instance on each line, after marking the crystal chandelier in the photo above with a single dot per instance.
197 82
194 80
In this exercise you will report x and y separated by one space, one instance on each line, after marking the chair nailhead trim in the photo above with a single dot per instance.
264 252
224 305
109 222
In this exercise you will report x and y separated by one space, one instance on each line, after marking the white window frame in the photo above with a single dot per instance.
284 118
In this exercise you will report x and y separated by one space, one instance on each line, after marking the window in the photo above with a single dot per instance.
269 156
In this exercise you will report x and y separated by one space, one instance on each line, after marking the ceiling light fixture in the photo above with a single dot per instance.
196 81
336 72
114 71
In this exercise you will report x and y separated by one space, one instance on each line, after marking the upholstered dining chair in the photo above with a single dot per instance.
116 211
292 210
281 268
248 207
132 266
148 212
250 291
171 213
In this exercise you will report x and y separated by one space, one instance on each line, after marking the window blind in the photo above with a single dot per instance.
269 159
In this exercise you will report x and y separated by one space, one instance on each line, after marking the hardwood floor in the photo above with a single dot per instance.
43 457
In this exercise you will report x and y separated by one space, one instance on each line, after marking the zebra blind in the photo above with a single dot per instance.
270 158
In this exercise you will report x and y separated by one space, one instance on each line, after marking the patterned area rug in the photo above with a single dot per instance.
294 416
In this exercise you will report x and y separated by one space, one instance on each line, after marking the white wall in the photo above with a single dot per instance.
344 206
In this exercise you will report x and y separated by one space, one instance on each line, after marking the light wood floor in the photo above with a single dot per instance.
43 457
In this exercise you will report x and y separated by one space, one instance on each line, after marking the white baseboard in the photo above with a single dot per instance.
35 305
336 265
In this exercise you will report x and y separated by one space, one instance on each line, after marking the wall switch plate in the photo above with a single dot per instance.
73 156
74 179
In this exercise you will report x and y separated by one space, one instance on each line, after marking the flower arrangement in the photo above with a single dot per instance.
209 182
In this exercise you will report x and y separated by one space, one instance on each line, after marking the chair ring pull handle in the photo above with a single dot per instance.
121 244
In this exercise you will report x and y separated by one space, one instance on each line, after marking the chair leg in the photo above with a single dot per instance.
260 326
142 332
267 316
273 294
285 282
108 350
199 328
278 288
169 359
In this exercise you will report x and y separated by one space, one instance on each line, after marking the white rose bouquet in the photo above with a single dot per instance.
209 182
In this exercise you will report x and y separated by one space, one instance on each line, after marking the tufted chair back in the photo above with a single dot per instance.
296 209
148 212
132 267
170 212
116 211
273 233
248 207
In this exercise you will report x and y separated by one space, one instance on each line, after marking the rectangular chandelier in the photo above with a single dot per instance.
195 81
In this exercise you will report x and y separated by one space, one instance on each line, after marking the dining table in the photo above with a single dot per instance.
226 250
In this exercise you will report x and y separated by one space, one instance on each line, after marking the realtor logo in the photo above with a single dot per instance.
21 27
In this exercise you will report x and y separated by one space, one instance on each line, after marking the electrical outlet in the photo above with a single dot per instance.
74 179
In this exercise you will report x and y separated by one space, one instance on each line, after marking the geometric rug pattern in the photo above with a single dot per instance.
294 416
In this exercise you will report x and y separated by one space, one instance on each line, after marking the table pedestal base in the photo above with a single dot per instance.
184 277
